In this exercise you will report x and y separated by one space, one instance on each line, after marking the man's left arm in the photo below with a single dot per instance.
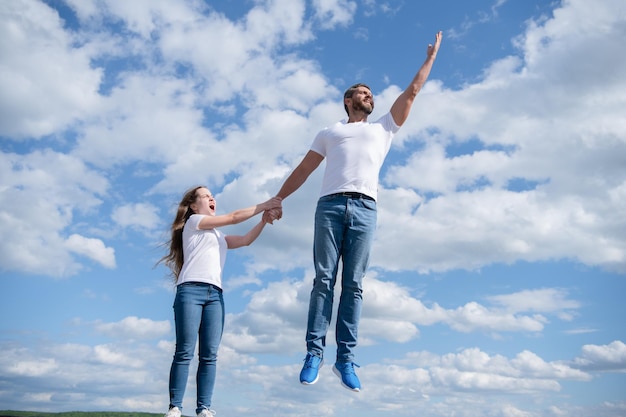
402 106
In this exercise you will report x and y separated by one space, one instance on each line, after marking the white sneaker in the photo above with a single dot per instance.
207 413
173 412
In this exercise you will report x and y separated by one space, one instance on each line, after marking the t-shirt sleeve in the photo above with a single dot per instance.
388 123
319 143
194 221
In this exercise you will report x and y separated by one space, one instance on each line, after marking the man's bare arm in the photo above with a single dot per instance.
298 176
402 106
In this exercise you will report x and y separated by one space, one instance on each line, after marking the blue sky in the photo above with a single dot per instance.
497 278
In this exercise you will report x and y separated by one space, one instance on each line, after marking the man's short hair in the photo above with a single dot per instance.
350 92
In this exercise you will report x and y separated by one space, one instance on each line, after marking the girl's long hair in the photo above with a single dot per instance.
174 259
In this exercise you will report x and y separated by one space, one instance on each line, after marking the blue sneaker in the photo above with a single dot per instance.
310 371
345 371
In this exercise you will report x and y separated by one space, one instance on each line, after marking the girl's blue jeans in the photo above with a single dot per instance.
198 314
344 230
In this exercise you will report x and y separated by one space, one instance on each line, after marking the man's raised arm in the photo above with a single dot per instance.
402 106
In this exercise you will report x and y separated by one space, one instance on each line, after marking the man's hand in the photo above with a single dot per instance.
431 51
272 214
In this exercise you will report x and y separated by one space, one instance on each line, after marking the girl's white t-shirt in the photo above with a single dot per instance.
204 253
354 154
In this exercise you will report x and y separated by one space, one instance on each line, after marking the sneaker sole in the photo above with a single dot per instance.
336 372
316 378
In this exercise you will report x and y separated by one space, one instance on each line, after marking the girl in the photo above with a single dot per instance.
197 252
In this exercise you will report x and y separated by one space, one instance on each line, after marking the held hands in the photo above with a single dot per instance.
273 210
431 51
272 214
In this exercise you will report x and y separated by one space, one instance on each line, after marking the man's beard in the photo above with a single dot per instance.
361 106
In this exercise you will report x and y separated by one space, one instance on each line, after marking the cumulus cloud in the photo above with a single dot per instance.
32 368
68 373
272 320
331 13
132 328
470 209
275 316
138 215
42 193
475 370
412 380
91 248
460 210
610 357
40 99
541 300
388 300
524 163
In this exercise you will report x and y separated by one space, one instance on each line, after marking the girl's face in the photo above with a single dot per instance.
205 203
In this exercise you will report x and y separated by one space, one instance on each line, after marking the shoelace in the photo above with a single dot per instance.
308 361
349 367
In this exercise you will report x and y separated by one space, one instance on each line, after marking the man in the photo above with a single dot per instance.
345 218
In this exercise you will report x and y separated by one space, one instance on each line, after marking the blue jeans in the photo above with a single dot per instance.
344 229
198 311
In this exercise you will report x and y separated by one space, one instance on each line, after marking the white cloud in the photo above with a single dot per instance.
235 104
32 368
92 248
48 83
611 357
511 313
272 322
144 118
572 149
331 13
275 318
541 300
474 369
132 328
141 372
138 215
475 317
108 355
171 121
40 196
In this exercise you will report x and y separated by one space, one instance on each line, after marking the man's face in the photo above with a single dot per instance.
362 100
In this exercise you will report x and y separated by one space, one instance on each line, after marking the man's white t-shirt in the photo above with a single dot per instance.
354 154
204 253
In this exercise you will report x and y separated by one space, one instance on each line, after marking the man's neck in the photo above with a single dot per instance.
357 117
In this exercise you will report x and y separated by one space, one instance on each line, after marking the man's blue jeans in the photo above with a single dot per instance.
344 229
198 312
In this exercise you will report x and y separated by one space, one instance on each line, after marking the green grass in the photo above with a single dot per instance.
9 413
